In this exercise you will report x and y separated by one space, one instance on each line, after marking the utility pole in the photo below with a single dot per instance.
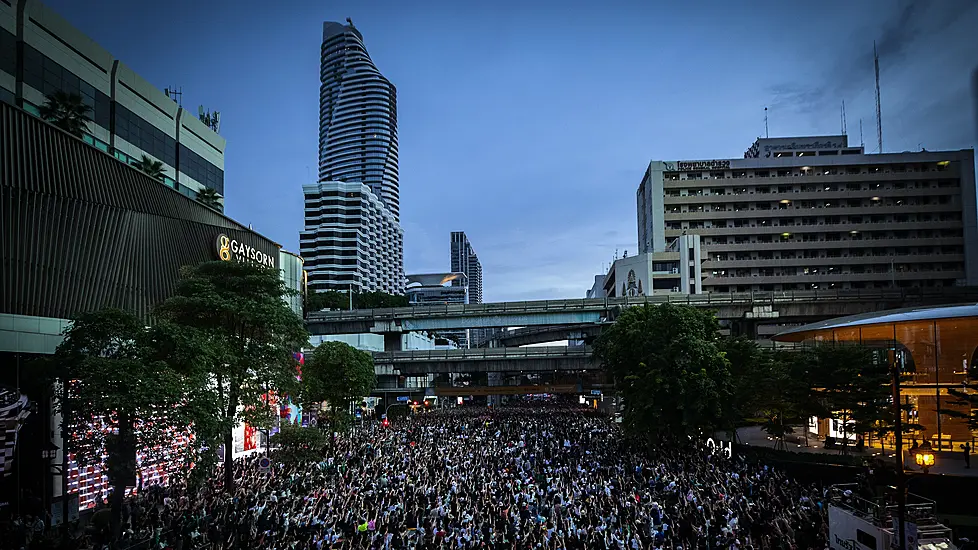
898 429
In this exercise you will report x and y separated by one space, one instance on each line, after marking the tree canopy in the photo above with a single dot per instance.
239 310
67 111
338 374
125 377
334 299
668 365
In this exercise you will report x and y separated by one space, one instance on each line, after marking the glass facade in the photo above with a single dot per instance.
934 354
47 76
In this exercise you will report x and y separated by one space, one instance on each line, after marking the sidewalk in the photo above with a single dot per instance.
947 462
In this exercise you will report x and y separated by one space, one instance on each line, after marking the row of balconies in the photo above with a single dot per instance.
810 195
832 278
829 245
794 211
861 229
713 263
816 175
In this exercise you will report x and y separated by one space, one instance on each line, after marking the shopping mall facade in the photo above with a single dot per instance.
80 231
936 350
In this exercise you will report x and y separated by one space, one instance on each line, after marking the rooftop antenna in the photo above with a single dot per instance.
844 132
879 120
765 123
861 142
176 94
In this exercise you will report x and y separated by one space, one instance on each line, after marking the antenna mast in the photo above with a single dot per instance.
765 123
879 120
844 130
176 94
861 142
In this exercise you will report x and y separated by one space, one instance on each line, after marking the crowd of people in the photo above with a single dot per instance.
529 477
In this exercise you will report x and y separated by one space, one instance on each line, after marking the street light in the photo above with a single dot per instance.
923 455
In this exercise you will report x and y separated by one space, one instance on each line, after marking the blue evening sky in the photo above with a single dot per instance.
528 124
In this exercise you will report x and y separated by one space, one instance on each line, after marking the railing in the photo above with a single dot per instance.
962 294
482 354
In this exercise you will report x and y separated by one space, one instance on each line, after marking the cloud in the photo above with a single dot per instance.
899 40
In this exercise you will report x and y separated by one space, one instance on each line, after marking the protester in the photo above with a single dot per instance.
528 477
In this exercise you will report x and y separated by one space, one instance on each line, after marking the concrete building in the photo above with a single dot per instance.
41 53
357 117
597 289
350 240
438 288
814 213
465 260
676 270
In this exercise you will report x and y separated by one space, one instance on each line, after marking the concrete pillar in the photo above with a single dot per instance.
393 341
494 379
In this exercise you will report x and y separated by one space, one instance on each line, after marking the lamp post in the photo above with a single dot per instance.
923 455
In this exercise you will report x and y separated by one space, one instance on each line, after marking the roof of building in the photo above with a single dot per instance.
904 315
434 279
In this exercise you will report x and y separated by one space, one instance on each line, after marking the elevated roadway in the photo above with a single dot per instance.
536 359
788 306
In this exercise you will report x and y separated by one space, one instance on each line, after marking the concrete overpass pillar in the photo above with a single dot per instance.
494 379
393 341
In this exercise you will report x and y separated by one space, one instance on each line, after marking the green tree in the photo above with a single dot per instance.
120 375
340 375
667 364
150 167
749 367
66 111
299 445
376 300
331 299
852 383
209 198
239 309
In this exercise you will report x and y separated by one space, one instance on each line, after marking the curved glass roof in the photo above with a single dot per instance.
909 314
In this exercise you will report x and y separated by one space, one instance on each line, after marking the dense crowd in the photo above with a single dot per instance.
541 477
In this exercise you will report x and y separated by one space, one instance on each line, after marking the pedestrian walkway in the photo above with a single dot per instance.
947 462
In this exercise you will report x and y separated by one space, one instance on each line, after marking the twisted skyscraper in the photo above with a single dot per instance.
357 117
352 237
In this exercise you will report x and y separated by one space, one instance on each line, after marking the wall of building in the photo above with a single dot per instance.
350 238
130 117
82 231
797 217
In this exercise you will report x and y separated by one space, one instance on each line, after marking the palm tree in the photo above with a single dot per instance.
209 198
152 168
66 111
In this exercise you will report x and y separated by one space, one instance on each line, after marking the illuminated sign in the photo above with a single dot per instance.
232 249
704 165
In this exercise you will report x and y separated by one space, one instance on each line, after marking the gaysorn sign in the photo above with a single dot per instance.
229 249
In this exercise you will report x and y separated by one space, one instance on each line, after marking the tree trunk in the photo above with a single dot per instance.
229 441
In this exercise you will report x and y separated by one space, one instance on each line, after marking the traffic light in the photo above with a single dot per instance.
415 403
386 423
426 403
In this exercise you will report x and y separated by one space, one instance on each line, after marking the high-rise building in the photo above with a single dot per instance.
357 117
41 53
351 240
465 260
814 213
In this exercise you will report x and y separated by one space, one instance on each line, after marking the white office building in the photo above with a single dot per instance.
350 240
810 213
